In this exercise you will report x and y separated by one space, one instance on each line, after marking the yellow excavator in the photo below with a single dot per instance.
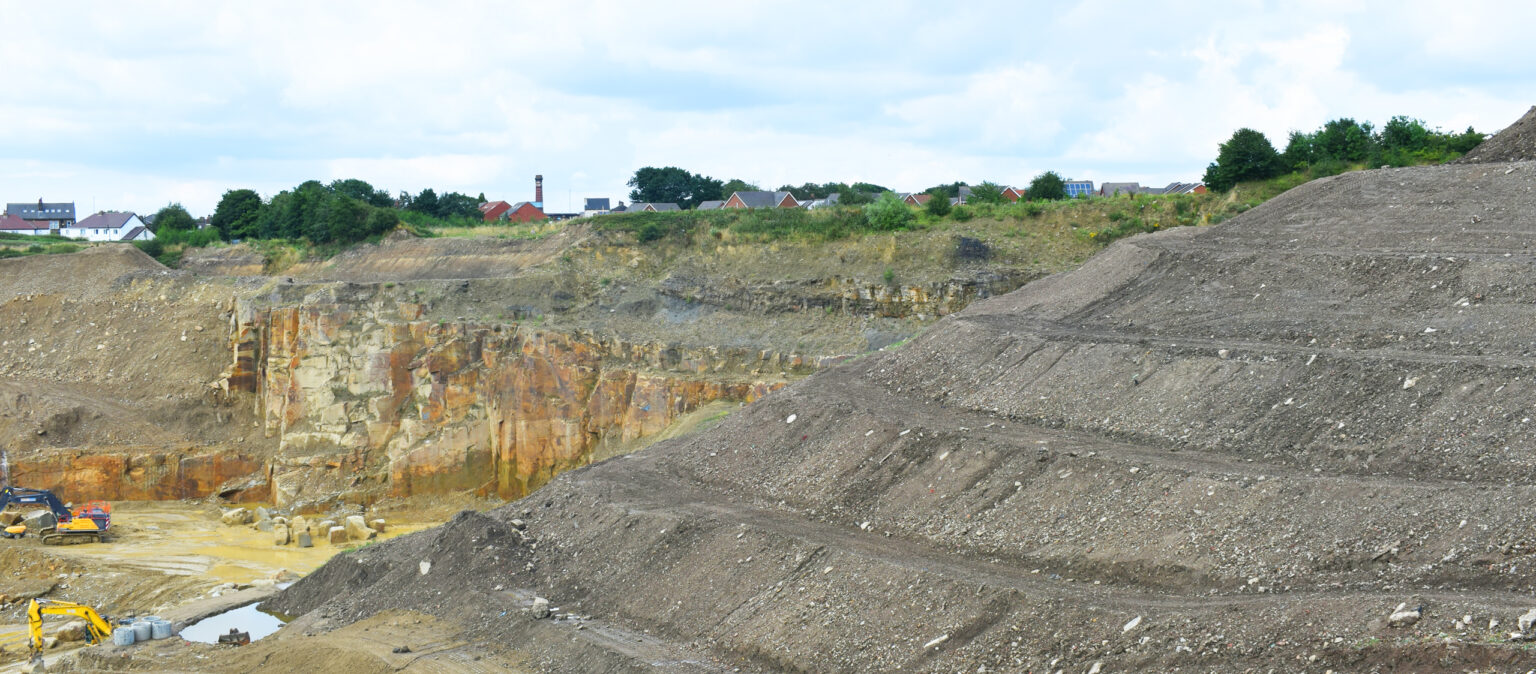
86 524
98 629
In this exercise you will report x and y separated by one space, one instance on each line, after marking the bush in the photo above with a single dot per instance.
963 213
888 213
938 205
63 249
153 248
1033 209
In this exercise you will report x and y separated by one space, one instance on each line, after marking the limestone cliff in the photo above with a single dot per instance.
366 400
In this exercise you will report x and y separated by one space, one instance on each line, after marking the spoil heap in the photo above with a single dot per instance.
1300 440
1516 143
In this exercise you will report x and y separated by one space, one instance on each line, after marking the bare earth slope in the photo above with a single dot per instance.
1516 143
1232 447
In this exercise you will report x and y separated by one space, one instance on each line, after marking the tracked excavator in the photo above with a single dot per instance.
86 524
98 629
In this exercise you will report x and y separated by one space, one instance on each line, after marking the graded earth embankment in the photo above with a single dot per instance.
1235 447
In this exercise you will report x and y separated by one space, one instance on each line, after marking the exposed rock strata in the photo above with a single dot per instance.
364 397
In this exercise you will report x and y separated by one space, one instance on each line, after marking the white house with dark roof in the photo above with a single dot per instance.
596 206
110 226
13 224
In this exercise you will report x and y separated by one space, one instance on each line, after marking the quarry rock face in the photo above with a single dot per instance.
135 474
374 393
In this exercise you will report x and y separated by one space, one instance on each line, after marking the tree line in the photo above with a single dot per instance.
671 184
343 211
1333 148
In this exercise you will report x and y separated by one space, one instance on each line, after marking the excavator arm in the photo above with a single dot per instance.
100 630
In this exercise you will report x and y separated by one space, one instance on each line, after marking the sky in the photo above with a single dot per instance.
133 105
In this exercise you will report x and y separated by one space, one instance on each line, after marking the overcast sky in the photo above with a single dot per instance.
131 105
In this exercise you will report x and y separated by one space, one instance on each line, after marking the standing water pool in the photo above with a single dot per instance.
249 618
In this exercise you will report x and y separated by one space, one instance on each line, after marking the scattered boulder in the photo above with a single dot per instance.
336 535
72 631
264 525
280 534
38 520
358 530
540 608
9 517
284 576
1403 616
376 525
304 540
262 513
298 524
279 519
325 525
236 517
1527 621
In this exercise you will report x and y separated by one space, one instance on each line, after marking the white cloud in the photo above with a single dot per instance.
150 102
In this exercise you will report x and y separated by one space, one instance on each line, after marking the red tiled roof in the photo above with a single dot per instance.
14 222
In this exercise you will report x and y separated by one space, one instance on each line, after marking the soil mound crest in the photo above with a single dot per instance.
84 273
1516 143
401 259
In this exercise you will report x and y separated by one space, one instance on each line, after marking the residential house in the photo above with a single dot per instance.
1013 193
761 200
964 195
709 205
1076 188
51 215
13 224
596 206
1185 188
917 199
110 226
492 211
653 208
826 202
1114 189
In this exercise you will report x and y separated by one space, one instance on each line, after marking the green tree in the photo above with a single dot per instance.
362 191
986 193
1047 186
455 205
671 184
1404 133
735 185
426 202
1346 140
888 213
174 218
237 214
1248 155
951 190
937 205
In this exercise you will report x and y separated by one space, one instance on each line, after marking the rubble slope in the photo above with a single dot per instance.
1237 446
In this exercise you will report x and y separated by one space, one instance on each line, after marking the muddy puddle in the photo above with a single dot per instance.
187 540
249 619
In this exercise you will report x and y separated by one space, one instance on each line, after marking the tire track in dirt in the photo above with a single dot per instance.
641 487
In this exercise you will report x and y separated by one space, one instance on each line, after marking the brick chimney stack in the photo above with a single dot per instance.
538 191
